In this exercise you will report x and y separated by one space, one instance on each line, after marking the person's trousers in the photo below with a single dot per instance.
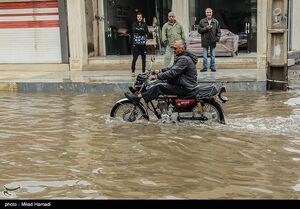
212 57
136 51
162 88
169 57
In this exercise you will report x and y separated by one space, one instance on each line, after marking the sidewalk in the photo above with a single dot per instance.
57 80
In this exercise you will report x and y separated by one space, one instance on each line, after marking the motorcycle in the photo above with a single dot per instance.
201 104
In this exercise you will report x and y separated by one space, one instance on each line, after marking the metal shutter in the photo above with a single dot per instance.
29 32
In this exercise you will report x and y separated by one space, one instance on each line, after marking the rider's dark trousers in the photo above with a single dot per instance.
136 51
162 88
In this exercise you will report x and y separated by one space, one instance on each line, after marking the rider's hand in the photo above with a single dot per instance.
157 71
152 77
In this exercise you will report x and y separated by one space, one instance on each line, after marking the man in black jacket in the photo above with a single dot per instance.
139 38
179 79
210 31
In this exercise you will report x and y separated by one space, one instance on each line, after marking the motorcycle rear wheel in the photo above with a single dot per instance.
212 111
127 111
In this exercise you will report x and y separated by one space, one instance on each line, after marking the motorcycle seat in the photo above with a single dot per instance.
192 94
203 91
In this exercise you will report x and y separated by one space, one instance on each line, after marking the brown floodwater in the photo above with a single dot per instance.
65 146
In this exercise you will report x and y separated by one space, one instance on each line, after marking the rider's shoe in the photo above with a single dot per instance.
134 89
132 97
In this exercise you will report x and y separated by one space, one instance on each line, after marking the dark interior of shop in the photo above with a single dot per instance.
237 16
121 15
233 15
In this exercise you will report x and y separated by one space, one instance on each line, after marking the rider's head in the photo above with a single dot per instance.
179 47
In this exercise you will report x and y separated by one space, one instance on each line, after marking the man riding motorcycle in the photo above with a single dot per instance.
180 79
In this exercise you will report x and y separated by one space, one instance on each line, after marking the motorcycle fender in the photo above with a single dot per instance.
122 100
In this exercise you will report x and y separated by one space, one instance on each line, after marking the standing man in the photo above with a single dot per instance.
210 31
139 38
172 31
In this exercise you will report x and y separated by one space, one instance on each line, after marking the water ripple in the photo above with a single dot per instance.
66 146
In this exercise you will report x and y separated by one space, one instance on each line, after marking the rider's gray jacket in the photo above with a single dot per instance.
183 73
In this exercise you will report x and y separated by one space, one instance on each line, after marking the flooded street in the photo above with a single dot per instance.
57 146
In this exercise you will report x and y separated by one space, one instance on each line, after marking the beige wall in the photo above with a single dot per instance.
262 8
77 34
296 26
181 9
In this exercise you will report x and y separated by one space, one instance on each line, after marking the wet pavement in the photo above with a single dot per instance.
65 146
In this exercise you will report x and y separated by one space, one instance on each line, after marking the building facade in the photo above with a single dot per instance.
247 18
72 31
30 32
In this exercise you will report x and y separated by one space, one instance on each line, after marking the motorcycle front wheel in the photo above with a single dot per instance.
127 111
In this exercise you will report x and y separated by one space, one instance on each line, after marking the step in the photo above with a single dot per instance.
35 67
124 62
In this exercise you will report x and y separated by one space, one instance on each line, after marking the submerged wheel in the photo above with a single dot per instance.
127 111
212 111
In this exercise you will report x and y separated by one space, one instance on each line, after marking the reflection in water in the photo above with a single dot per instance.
67 146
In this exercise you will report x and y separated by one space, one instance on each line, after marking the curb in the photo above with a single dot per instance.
105 87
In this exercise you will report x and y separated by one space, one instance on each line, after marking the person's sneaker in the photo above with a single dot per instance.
203 70
132 97
213 70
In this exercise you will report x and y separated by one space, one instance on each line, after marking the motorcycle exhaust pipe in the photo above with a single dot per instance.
223 90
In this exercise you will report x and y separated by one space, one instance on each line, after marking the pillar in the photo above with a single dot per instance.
295 25
262 34
77 34
181 9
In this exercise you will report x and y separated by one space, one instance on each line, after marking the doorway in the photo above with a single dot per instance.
120 15
111 21
237 16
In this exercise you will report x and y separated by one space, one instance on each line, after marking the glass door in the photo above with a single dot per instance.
110 26
251 26
236 16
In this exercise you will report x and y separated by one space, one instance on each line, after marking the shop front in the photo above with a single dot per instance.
111 21
238 21
30 32
235 16
101 28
